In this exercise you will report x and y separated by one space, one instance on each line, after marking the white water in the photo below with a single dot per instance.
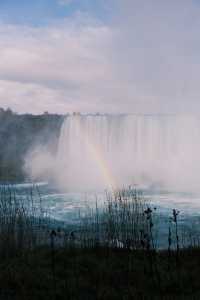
96 152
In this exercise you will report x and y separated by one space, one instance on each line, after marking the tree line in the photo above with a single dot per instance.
20 132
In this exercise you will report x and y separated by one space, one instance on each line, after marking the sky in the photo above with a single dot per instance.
107 56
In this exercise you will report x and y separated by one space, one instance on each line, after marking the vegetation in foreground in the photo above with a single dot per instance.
100 273
111 254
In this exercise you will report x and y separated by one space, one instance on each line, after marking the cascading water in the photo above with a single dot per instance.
100 151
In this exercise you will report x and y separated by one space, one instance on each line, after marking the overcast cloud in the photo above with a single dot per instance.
146 60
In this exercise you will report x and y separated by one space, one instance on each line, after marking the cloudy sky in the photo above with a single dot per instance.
138 56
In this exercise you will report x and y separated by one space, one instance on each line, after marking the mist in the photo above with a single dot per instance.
142 60
108 151
39 164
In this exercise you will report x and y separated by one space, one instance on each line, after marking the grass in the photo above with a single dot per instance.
112 254
23 224
97 273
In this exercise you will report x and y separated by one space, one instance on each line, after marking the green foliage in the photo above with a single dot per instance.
100 274
18 133
39 260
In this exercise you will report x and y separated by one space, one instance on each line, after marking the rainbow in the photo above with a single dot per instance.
99 159
102 164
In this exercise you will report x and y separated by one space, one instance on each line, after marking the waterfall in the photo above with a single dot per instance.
100 151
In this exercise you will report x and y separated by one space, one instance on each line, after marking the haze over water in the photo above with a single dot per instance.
101 151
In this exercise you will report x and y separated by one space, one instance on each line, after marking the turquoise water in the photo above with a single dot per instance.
68 206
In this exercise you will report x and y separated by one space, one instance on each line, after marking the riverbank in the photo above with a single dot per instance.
110 253
100 273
